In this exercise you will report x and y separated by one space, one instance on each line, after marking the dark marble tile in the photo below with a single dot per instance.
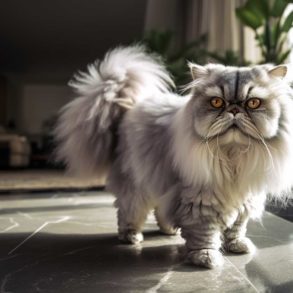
68 243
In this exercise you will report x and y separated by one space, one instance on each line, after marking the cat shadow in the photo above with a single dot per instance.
99 260
93 249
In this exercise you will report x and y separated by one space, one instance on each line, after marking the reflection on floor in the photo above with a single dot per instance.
67 243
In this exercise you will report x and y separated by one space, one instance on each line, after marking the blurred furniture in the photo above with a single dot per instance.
15 151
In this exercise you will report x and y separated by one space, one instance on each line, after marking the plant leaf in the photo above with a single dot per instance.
281 43
288 22
158 41
193 47
249 18
259 7
267 36
283 57
276 34
278 8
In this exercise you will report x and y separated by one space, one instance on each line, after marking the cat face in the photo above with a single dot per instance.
235 105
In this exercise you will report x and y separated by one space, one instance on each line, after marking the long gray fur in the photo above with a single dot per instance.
203 170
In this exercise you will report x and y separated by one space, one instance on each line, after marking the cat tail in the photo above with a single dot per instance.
86 133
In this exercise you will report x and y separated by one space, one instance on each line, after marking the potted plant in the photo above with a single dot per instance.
162 43
271 27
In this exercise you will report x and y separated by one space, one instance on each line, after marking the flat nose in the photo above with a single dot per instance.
234 111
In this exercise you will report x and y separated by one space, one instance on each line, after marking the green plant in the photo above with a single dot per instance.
228 58
162 43
270 26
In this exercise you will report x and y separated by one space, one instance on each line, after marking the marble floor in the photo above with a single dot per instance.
66 242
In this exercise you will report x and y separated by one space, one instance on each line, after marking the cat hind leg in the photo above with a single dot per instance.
132 213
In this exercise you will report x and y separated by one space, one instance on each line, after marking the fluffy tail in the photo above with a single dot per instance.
87 128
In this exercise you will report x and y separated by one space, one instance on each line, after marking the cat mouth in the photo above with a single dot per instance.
233 127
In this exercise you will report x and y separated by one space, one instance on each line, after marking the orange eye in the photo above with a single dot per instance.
217 102
253 103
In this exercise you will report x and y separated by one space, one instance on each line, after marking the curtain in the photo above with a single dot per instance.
189 19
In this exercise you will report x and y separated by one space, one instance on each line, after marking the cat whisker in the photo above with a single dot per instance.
218 145
255 131
207 139
217 127
218 124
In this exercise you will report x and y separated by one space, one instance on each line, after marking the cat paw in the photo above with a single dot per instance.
130 237
208 258
240 245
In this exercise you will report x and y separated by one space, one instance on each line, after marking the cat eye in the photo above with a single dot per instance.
253 103
217 102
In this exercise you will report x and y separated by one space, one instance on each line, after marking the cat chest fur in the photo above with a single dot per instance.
230 186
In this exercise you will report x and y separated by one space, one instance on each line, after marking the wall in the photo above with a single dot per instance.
39 103
43 43
3 95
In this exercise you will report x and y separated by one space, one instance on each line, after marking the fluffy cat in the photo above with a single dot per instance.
204 162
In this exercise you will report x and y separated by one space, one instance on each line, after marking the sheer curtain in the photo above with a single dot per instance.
191 18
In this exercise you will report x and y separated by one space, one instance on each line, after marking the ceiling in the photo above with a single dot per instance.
39 35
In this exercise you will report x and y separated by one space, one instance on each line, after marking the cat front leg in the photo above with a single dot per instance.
234 238
200 226
203 243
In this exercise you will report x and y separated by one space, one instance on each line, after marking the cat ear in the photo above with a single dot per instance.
278 71
197 70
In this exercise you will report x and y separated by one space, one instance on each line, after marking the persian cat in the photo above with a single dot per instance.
204 161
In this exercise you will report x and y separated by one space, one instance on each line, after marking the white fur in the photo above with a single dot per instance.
110 87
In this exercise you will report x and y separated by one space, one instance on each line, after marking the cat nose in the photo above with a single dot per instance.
234 111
